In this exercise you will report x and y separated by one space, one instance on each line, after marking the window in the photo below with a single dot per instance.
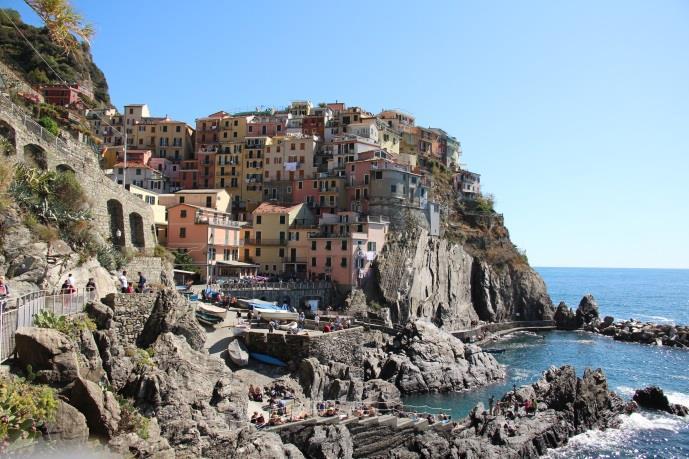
209 200
315 184
328 262
258 219
164 128
251 129
178 129
300 185
343 262
181 199
182 233
313 261
120 170
366 179
313 245
378 175
138 172
371 246
282 236
246 254
258 251
393 188
236 123
183 214
343 244
328 245
282 219
302 146
293 147
281 253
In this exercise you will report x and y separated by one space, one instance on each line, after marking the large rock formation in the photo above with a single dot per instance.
52 355
423 358
586 315
420 276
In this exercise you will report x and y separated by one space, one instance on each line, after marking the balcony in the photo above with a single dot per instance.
294 260
325 235
265 242
213 221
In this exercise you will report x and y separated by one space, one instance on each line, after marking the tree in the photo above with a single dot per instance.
184 262
65 25
50 125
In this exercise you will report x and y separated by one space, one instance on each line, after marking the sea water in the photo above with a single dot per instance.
644 294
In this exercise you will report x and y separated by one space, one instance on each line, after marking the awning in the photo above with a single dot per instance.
182 271
236 264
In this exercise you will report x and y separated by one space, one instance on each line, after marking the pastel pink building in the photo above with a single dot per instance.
345 247
321 195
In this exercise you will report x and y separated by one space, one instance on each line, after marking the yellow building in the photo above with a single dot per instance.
251 184
278 237
167 138
290 158
159 210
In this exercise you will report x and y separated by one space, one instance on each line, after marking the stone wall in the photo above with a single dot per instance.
342 346
112 207
154 269
131 311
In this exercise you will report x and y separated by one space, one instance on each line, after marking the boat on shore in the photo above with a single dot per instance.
277 314
207 319
268 359
237 352
253 303
209 309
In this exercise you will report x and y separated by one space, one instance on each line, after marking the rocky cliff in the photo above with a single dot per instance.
419 276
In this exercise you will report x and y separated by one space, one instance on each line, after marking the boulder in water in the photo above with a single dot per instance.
653 398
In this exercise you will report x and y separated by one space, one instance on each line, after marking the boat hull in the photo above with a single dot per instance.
238 353
268 359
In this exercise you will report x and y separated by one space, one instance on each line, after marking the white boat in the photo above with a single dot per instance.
212 310
276 314
287 327
238 352
248 303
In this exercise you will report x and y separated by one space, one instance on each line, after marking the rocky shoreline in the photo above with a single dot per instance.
586 317
152 390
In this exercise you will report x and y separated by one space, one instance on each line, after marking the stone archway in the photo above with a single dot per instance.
116 223
8 142
35 156
64 168
136 230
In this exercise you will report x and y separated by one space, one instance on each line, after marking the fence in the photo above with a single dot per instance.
20 312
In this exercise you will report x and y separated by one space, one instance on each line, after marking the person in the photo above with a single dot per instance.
271 326
254 417
72 281
4 292
491 400
260 420
302 318
326 328
124 283
233 302
142 282
91 289
258 316
317 320
130 288
66 288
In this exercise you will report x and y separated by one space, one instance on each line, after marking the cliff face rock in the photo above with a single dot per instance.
586 315
424 358
420 276
654 398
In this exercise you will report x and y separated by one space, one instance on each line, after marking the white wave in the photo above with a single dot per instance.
612 439
521 373
657 319
625 390
678 397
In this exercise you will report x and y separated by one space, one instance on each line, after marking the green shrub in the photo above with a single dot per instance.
184 261
485 204
142 357
70 326
50 125
164 253
131 420
23 408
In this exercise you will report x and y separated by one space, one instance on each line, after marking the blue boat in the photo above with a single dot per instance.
269 359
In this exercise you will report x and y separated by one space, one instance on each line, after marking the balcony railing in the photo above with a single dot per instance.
297 260
224 222
265 242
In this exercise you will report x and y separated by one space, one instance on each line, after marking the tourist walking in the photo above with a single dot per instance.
4 292
72 281
124 283
142 282
91 290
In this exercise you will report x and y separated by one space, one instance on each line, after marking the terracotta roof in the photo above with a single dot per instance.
135 165
270 208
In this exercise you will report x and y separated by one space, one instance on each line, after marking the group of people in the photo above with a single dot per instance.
128 287
256 393
337 324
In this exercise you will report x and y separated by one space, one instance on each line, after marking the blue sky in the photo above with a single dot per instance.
575 113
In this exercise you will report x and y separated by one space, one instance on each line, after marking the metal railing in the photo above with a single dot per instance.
20 312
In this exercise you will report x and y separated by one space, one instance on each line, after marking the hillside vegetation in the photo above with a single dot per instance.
76 66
